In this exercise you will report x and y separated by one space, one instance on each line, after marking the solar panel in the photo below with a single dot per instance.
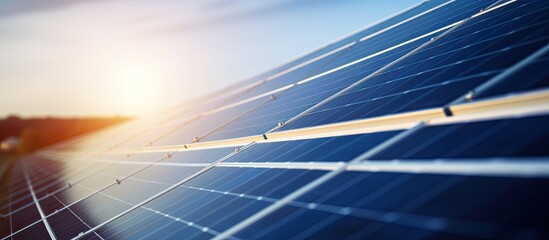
395 205
435 76
428 124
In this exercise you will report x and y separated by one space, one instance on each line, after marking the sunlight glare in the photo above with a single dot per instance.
138 85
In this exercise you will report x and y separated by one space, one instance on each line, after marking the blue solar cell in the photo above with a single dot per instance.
424 6
23 218
508 138
388 205
433 78
531 77
66 225
145 223
332 149
312 69
222 196
186 132
407 28
36 231
294 101
432 21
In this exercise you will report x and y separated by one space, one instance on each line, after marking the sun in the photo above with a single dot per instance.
138 87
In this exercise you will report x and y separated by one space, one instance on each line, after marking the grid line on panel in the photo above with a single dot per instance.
382 69
272 98
378 53
432 225
327 72
179 126
247 87
202 228
85 197
16 185
11 222
423 222
9 210
89 174
65 186
416 17
311 78
517 18
78 217
407 20
161 213
48 185
446 52
494 7
93 192
166 190
317 182
40 211
501 76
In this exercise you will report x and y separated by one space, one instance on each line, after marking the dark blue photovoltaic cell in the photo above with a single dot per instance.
446 69
485 139
332 149
118 197
187 128
445 15
205 124
36 231
531 77
46 179
146 224
296 100
16 192
424 6
19 210
66 225
292 77
222 197
358 205
24 217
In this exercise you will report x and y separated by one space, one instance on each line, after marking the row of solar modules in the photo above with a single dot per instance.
80 193
431 77
360 204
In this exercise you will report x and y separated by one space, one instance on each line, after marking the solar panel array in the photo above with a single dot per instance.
432 123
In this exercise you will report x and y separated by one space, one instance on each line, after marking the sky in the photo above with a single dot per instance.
137 57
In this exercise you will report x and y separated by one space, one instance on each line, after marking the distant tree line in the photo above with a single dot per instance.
36 133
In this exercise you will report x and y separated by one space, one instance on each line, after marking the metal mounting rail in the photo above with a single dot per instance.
523 104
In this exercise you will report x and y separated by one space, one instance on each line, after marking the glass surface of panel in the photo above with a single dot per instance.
507 138
332 149
387 205
446 69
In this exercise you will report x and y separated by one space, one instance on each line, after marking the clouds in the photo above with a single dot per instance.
16 7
